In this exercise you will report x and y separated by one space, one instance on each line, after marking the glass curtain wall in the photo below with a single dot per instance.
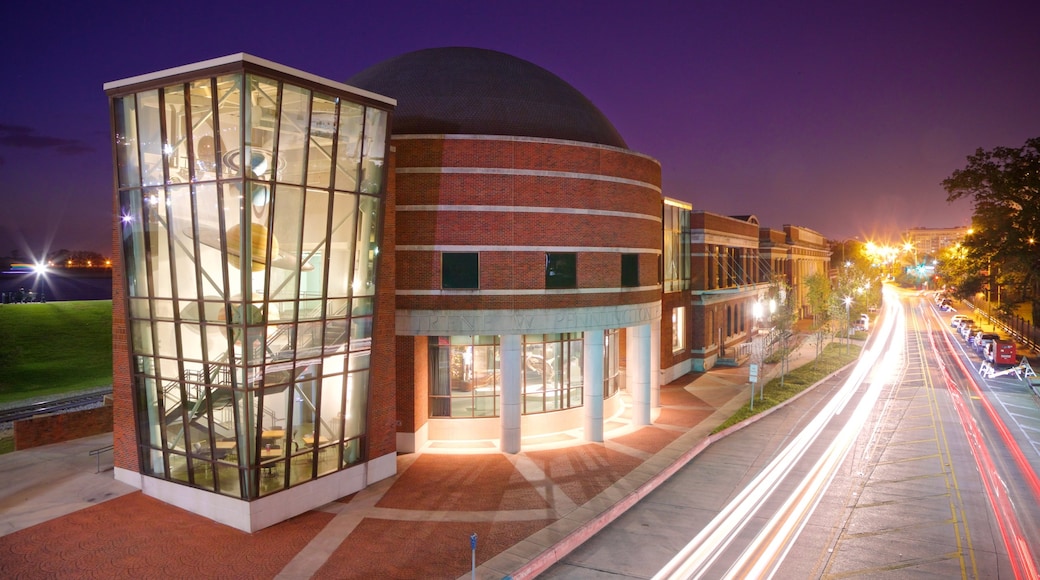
676 248
465 373
250 216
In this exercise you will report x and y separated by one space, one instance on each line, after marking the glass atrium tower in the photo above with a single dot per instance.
250 200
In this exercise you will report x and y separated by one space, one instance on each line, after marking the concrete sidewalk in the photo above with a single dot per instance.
59 518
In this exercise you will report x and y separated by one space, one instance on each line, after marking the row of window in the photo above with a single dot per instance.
461 270
466 373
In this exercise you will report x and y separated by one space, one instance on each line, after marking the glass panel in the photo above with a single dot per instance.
191 338
341 244
308 339
360 329
460 270
210 256
630 270
315 222
323 126
352 452
292 134
176 145
355 409
359 360
141 337
133 240
561 270
127 161
258 158
288 218
229 144
178 467
163 309
158 248
202 122
348 151
231 238
364 283
149 137
139 308
183 246
374 153
335 333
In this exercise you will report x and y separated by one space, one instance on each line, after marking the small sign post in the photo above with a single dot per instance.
753 378
473 549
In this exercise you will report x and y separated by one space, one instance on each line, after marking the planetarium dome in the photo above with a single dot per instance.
474 91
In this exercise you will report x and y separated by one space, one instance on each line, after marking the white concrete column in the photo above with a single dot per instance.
592 380
637 371
655 363
512 357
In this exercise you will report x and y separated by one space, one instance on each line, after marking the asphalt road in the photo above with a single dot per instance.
904 466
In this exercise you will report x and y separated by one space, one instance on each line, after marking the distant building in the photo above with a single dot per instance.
931 241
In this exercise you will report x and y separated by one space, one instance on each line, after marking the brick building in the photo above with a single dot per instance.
312 277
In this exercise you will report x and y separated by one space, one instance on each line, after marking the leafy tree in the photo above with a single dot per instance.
1004 186
782 318
818 295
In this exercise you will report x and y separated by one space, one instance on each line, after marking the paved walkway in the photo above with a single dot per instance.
61 518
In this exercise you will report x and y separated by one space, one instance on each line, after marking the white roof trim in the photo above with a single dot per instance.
243 57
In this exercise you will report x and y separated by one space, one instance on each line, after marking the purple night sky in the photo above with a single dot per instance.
838 117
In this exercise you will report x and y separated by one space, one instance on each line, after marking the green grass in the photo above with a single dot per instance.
796 381
53 348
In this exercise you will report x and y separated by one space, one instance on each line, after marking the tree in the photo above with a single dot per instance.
818 295
1004 186
782 318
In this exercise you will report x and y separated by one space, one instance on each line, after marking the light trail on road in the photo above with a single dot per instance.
764 554
1022 560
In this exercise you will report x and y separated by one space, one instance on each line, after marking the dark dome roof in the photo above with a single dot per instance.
473 91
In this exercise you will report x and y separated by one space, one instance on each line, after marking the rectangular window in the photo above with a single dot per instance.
679 329
460 270
629 270
561 270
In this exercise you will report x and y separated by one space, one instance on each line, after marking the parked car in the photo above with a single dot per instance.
983 339
966 327
957 318
863 323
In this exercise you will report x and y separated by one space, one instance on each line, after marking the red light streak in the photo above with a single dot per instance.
1022 561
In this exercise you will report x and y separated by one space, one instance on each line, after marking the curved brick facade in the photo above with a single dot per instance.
513 200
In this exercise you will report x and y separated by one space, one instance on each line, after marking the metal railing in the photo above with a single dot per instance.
97 453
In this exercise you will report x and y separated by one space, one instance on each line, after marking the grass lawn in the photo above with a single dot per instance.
54 348
796 381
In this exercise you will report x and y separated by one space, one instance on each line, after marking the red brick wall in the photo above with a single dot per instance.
47 429
413 406
382 408
124 435
526 154
407 349
525 270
